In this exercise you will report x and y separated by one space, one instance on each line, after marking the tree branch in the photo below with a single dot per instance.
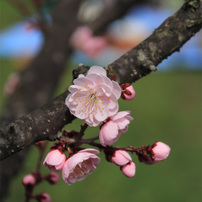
166 39
44 123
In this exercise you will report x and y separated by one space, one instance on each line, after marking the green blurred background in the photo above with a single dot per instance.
167 107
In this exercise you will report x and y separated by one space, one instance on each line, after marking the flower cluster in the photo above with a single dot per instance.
123 159
36 177
93 98
76 167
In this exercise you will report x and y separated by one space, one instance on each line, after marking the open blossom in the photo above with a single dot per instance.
93 98
55 160
114 127
80 165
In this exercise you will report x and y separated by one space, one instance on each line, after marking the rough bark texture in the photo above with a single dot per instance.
138 62
165 40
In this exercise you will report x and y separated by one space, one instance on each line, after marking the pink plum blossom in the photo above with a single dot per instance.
93 98
160 151
121 157
29 180
80 165
128 92
55 160
129 169
114 127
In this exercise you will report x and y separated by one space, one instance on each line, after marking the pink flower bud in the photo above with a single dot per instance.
114 127
154 153
43 197
121 158
128 92
80 165
160 151
129 169
29 180
52 178
55 160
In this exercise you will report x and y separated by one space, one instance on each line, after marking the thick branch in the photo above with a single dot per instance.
165 40
41 124
44 123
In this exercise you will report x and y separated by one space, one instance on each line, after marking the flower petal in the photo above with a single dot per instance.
97 70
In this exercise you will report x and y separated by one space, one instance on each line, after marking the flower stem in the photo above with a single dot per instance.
41 153
83 128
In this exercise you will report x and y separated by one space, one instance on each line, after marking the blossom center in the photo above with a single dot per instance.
92 97
81 170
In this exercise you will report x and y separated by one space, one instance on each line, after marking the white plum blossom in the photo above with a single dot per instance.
93 98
